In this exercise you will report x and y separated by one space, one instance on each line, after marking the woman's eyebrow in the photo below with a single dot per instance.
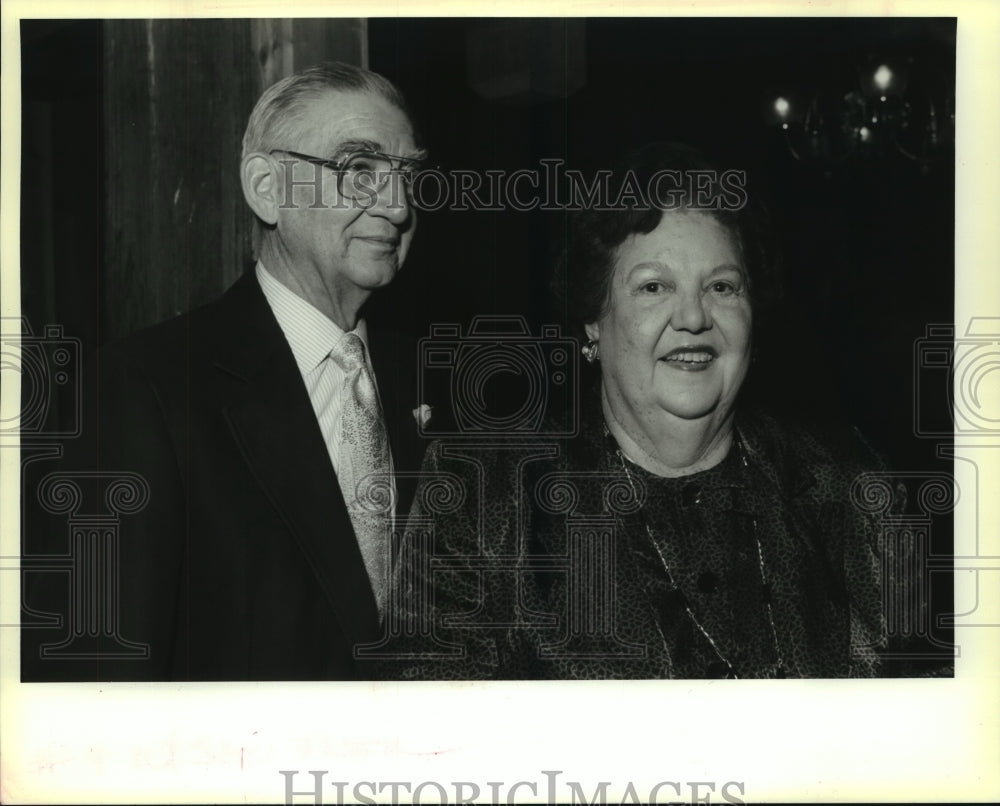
726 267
657 265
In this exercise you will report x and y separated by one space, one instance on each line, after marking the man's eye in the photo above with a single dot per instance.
361 164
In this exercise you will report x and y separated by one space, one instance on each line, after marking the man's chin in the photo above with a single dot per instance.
378 275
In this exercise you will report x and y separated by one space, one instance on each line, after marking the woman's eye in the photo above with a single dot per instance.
723 287
651 287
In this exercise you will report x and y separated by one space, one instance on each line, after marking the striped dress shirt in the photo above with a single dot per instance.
312 336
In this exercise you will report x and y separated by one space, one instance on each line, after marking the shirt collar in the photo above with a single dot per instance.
309 332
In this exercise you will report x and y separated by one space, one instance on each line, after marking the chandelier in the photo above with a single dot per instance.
880 117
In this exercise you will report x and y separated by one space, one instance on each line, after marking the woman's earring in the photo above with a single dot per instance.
590 351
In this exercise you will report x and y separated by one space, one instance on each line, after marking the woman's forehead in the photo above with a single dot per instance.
683 239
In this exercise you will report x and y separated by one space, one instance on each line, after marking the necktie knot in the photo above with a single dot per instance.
349 352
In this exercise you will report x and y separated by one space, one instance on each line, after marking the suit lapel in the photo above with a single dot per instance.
272 421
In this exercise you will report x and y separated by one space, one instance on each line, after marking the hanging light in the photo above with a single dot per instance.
883 79
782 108
876 118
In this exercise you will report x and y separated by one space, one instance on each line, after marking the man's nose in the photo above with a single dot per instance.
392 200
689 312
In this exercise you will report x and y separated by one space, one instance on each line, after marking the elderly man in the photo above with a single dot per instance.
273 427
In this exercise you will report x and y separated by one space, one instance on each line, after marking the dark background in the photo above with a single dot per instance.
109 245
131 210
867 244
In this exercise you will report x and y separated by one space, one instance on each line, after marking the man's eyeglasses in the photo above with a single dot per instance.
362 174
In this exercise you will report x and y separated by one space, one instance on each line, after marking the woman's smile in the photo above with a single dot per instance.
691 358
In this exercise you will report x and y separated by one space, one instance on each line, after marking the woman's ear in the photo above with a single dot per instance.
258 175
593 331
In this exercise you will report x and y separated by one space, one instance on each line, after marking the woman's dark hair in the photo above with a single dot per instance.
641 187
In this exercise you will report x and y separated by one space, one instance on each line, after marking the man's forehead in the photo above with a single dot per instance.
337 120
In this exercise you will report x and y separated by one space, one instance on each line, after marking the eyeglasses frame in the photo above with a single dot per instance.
337 165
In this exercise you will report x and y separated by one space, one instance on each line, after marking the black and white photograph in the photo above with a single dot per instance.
384 381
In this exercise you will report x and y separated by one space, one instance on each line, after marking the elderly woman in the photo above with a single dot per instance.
675 534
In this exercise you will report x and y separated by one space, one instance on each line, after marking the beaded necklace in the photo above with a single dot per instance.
726 669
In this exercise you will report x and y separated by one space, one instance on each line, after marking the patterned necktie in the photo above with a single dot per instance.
364 450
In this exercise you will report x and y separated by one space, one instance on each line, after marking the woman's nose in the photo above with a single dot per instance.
689 312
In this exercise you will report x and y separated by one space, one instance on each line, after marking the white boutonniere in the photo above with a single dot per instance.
422 414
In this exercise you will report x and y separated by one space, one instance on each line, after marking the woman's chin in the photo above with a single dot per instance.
692 408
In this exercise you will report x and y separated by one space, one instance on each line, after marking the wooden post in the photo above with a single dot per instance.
177 94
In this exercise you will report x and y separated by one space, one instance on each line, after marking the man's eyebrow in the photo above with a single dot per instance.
356 145
348 146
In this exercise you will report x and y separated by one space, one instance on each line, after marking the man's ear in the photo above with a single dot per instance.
259 177
593 331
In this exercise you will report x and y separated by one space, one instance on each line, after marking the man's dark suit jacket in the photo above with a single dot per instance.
244 564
